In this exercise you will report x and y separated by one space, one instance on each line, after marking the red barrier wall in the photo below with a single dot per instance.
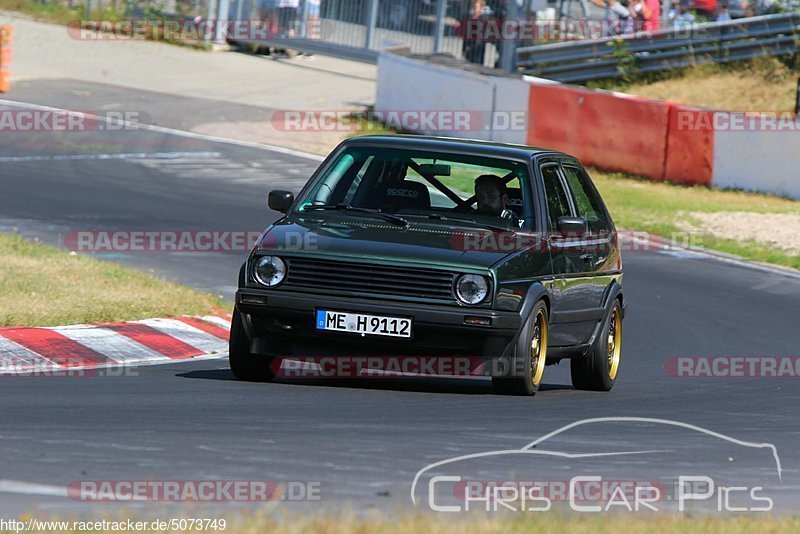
690 145
607 130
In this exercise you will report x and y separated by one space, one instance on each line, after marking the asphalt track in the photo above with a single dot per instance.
362 440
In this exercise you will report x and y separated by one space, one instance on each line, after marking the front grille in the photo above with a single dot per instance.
367 278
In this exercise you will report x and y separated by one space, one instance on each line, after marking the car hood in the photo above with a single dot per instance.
360 238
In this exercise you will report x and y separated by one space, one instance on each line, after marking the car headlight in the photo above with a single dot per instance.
472 288
269 271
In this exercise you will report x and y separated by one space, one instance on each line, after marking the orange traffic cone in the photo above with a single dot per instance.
6 35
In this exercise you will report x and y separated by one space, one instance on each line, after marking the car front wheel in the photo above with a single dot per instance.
244 364
529 358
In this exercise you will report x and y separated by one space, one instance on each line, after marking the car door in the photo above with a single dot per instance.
598 246
572 288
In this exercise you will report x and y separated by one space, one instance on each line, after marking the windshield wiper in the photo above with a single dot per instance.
492 227
346 207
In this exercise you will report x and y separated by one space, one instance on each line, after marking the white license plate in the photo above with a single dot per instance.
366 325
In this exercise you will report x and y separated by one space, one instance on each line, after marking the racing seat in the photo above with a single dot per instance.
515 201
406 195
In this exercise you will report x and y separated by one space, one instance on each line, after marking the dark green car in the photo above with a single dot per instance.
418 246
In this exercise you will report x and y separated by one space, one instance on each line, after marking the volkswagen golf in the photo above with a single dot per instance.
424 246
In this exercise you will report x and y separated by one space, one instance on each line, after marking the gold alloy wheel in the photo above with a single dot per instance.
538 348
614 342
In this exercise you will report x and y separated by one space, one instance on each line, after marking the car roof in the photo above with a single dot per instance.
450 144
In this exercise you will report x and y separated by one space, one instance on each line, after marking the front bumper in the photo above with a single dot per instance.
284 326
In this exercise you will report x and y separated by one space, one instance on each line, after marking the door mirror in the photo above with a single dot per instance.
280 200
572 226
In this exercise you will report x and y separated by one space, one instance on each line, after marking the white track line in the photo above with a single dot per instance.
111 344
129 155
188 334
171 131
30 488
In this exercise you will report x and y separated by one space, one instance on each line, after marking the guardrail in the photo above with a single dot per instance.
580 61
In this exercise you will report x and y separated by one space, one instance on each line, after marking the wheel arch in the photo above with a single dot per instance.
613 293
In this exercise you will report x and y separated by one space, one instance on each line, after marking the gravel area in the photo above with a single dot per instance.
781 230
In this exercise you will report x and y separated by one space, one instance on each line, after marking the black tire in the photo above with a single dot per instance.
244 364
598 370
527 365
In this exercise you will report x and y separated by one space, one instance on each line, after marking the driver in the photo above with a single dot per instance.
492 196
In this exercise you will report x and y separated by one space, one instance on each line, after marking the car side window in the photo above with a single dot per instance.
557 203
587 200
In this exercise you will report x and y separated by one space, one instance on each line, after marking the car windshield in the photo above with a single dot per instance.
415 184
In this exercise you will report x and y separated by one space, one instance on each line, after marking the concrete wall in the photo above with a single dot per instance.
761 160
406 84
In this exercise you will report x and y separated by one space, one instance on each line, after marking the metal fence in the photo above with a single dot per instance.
580 61
359 29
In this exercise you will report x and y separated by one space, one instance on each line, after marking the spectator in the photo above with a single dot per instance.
724 13
287 17
683 18
398 13
473 32
646 14
268 13
313 23
617 17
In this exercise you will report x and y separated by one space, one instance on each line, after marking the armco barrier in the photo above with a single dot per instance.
608 130
6 37
690 146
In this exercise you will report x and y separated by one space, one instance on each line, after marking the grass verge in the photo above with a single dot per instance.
666 210
57 12
43 286
552 523
765 84
70 15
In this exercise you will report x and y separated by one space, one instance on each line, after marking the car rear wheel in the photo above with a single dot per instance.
244 364
597 371
527 367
